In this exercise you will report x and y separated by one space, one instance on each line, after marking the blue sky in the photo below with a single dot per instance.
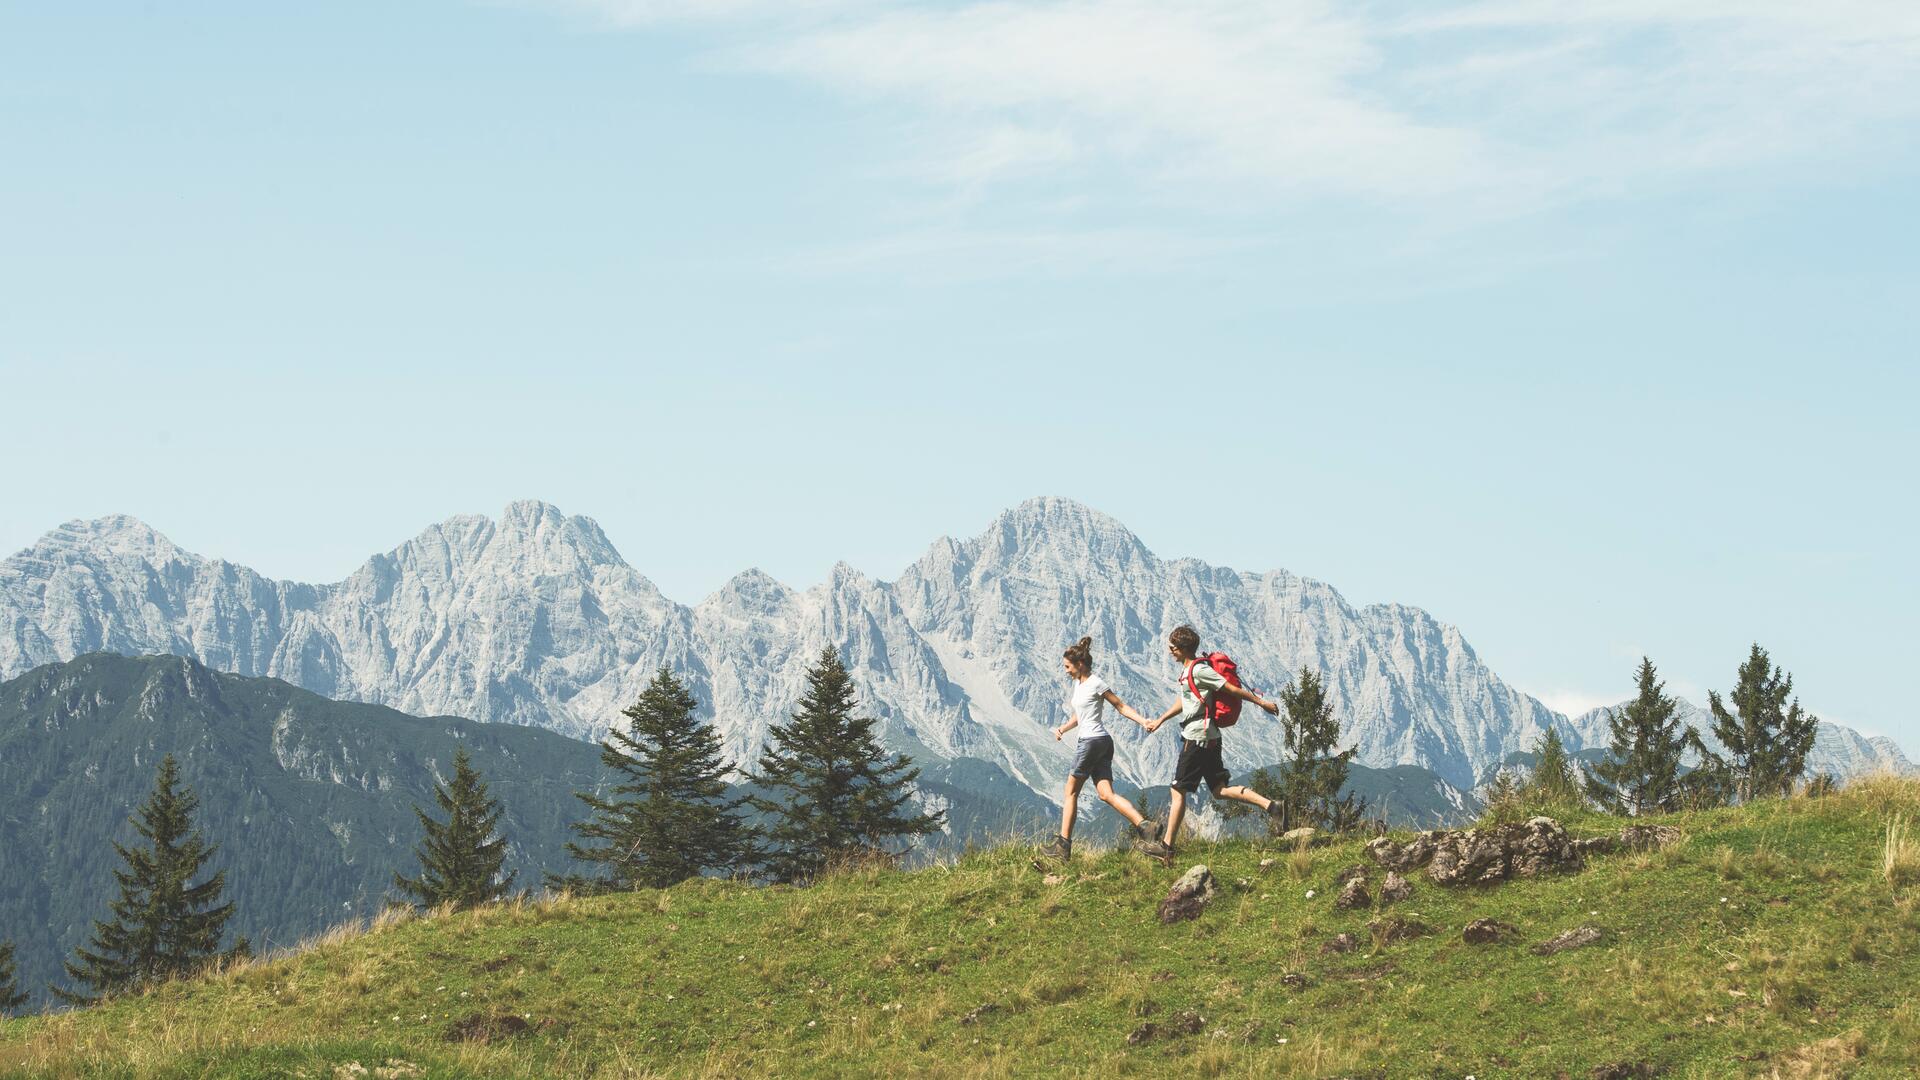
1589 328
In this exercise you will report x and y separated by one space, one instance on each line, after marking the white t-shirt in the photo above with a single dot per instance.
1089 703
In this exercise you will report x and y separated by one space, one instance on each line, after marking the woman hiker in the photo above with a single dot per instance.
1093 758
1200 737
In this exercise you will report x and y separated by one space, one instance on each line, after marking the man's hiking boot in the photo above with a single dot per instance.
1277 812
1054 854
1146 841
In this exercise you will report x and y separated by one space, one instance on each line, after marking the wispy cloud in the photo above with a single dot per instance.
1455 113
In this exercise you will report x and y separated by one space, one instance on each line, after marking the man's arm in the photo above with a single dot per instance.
1247 695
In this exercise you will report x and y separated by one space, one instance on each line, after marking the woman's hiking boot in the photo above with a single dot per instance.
1054 854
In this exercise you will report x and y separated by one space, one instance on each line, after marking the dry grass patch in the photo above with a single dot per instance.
1900 856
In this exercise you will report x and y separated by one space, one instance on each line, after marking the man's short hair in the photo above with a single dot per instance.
1186 639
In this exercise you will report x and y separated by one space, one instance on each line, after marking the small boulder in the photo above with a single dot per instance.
1648 837
1353 895
1395 888
1189 896
1349 873
1294 980
1573 939
979 1012
1389 930
1488 931
1145 1033
1340 943
1301 837
1187 1023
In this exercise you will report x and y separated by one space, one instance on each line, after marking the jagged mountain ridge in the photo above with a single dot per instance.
535 619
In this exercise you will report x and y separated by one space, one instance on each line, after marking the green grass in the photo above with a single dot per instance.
1809 966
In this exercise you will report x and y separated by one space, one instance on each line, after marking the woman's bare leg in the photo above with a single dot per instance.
1118 802
1070 807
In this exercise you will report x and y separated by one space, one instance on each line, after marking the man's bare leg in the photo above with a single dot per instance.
1176 809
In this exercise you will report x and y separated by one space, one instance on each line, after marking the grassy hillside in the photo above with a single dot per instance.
1771 941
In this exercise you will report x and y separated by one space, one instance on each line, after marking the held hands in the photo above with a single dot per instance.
1272 709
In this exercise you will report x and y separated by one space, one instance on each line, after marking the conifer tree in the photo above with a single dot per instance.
1311 778
10 996
163 927
1504 797
1554 778
460 858
841 795
669 818
1642 771
1766 733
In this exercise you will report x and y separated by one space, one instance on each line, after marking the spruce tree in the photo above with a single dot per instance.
841 795
1311 778
1642 771
163 927
669 818
1767 734
10 996
460 858
1555 780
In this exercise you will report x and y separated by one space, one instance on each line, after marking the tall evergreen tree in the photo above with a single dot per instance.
669 818
163 927
1767 734
10 996
1314 772
1554 780
461 857
1642 771
842 795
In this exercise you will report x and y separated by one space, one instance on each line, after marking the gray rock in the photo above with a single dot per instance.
1340 943
1484 856
1189 896
979 1012
1579 937
1395 888
1488 931
1648 837
1394 928
1301 837
1353 895
1408 856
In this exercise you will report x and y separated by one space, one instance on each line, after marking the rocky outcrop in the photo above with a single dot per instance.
1189 896
1484 856
1353 895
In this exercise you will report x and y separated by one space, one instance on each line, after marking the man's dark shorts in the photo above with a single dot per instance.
1199 763
1093 759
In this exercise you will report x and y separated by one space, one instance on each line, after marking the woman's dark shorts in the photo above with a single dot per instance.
1093 759
1199 762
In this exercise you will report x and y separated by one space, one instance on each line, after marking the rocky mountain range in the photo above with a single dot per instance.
535 619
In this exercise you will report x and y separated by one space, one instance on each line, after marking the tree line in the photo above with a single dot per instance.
828 794
825 793
1764 734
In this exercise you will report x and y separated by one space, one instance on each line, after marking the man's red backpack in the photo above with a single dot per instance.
1225 707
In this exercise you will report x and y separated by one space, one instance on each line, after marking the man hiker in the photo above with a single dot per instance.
1088 700
1200 688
